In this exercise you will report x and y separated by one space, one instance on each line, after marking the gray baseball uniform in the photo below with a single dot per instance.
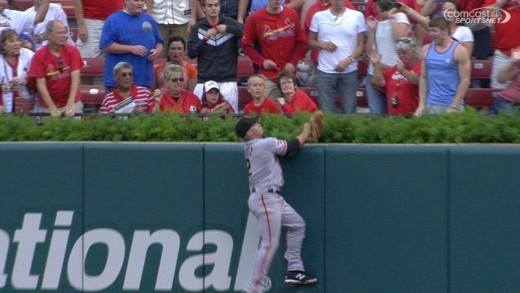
270 208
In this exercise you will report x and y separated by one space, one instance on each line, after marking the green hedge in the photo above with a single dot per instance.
465 127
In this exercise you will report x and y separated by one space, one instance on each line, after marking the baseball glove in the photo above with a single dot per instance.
316 123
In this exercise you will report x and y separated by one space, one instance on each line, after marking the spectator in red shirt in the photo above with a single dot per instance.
506 37
175 98
126 97
278 30
56 68
260 103
508 100
401 81
213 101
293 100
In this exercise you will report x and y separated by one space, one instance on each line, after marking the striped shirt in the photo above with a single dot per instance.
140 98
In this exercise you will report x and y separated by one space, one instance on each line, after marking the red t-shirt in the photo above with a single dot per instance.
280 37
211 107
190 72
100 9
469 5
300 102
406 93
267 106
317 7
187 103
57 74
506 34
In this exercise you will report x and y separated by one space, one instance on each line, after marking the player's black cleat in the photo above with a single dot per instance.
299 278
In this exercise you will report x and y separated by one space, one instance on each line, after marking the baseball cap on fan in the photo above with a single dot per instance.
210 85
244 124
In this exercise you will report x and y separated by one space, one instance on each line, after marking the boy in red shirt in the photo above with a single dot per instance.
260 103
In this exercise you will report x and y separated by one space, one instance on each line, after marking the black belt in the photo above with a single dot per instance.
271 190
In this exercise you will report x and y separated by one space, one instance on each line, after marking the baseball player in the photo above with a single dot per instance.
268 205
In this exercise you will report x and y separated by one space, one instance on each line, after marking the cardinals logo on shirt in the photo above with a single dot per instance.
279 33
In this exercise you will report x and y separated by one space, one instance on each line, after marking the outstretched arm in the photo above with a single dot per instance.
294 145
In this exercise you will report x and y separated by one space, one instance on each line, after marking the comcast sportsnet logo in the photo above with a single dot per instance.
486 16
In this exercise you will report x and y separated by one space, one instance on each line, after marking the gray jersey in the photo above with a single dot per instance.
262 162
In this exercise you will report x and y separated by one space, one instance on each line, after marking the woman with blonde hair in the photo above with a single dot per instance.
175 98
401 81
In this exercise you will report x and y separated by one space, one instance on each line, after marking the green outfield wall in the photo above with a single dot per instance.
153 217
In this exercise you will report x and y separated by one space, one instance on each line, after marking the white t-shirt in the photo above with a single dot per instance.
20 21
343 31
385 42
171 11
55 12
463 34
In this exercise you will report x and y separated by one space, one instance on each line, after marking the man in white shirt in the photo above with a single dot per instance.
173 17
339 35
55 12
21 20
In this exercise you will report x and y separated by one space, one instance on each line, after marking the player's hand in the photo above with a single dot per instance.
268 64
139 50
281 101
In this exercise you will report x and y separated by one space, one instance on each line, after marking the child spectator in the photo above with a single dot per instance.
213 101
260 103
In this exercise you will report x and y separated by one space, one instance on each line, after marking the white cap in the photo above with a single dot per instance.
210 85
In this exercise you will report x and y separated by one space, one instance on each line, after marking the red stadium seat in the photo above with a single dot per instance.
92 68
481 69
480 97
244 67
244 96
92 94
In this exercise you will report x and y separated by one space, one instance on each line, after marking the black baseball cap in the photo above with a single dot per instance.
244 124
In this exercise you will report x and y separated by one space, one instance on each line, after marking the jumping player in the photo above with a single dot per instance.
268 205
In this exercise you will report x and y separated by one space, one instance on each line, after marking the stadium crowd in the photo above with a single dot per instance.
183 56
